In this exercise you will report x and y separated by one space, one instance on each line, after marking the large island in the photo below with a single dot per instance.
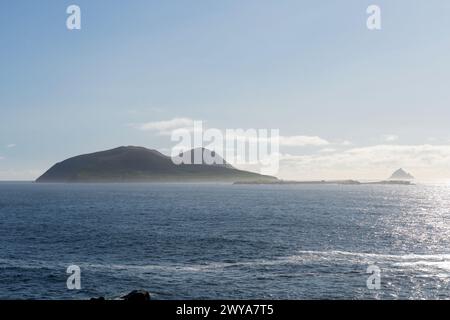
139 164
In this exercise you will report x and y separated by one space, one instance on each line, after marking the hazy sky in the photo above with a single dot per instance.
354 103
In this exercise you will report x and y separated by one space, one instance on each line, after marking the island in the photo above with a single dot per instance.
401 174
399 177
139 164
339 182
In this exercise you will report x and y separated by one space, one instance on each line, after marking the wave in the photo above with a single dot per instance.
409 256
303 257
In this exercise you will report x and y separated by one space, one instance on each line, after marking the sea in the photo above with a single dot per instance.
222 241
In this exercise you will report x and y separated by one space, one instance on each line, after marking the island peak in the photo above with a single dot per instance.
401 174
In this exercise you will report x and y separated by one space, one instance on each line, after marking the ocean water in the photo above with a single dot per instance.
198 241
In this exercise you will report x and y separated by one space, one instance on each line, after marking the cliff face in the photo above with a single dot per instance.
138 164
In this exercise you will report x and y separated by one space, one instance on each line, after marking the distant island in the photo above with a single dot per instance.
399 177
342 182
139 164
401 174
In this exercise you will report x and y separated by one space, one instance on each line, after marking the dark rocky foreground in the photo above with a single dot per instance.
133 296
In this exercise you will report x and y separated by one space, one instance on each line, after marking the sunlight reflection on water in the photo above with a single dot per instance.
225 241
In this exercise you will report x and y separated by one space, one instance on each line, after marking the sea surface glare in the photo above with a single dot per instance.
204 241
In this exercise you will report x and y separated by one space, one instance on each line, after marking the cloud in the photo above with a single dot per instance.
20 175
373 162
302 141
287 141
389 137
327 150
166 127
346 143
12 145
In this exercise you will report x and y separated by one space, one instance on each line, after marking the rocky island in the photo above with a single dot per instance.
401 174
139 164
340 182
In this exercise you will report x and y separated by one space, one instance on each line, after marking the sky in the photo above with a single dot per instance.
349 102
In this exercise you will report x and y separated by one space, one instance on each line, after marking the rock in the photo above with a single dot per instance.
137 295
401 174
98 299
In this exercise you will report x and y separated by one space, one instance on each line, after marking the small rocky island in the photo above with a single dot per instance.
399 177
339 182
401 174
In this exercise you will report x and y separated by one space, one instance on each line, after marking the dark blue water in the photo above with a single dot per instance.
224 241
